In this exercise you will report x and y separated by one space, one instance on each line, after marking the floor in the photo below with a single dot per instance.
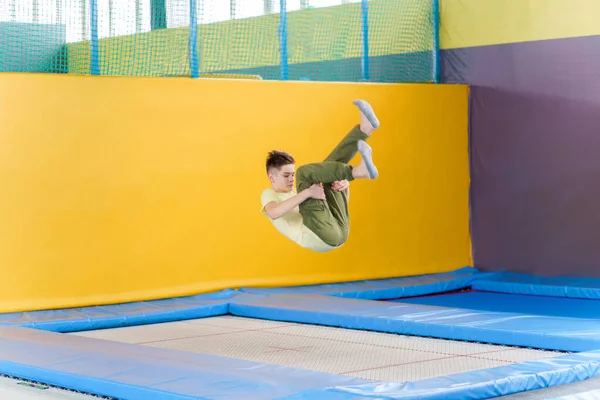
587 386
12 389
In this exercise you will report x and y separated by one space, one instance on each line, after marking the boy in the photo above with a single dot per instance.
315 213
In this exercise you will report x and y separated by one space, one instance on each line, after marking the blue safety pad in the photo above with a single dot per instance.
480 384
134 372
128 314
391 288
555 333
557 286
514 303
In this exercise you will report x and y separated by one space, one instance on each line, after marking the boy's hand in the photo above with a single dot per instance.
340 186
316 192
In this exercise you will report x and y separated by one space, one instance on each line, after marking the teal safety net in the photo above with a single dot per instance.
320 40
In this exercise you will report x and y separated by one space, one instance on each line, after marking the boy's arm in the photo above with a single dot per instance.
277 210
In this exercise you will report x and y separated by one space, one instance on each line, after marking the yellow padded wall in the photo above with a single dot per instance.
125 189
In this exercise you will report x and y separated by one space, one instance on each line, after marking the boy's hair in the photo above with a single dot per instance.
277 159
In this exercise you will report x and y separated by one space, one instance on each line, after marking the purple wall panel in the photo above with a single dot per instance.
535 154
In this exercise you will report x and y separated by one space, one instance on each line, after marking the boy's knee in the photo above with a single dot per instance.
301 172
334 236
302 178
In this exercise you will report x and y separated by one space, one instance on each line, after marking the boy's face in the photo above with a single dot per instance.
283 179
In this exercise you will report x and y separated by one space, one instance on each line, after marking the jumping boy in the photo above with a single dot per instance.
315 213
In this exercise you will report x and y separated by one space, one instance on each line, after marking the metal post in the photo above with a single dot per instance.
436 42
283 38
94 54
365 28
193 51
158 14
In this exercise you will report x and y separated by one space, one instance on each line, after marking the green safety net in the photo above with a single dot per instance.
321 40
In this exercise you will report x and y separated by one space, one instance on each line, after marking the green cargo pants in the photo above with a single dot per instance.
329 218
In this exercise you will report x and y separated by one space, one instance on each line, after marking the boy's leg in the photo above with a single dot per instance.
346 150
323 172
338 201
318 215
329 219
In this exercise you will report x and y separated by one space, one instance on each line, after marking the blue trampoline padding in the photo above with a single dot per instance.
480 384
557 286
135 372
128 314
391 288
555 333
514 303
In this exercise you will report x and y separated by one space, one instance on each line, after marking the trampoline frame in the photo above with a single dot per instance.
34 348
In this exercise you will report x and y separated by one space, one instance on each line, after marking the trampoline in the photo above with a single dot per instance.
461 334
